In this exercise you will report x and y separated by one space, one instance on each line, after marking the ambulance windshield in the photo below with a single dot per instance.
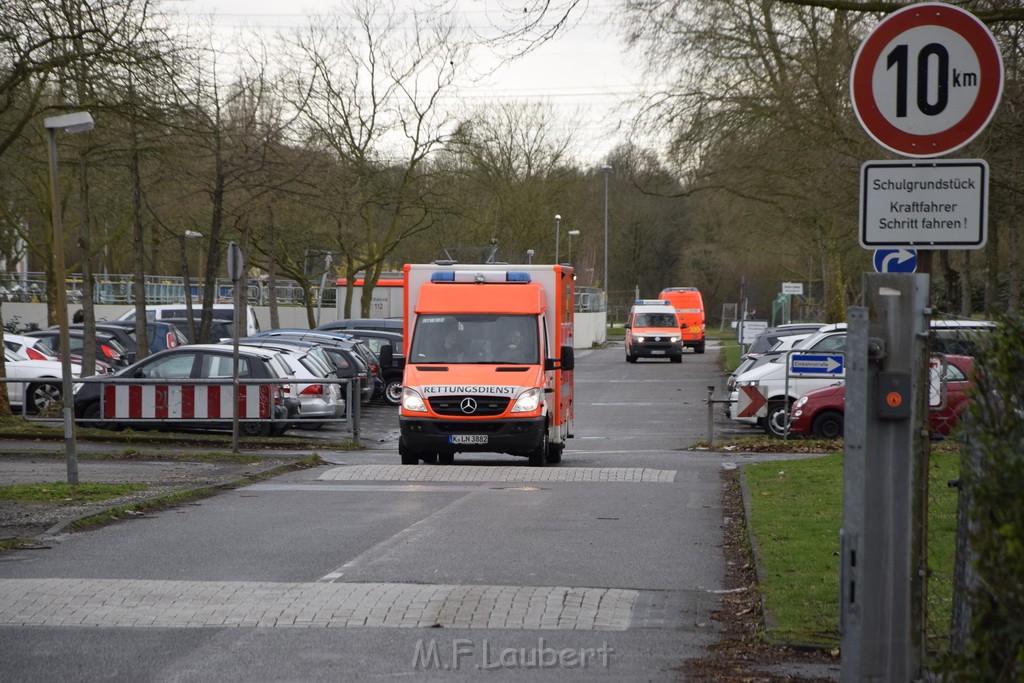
475 339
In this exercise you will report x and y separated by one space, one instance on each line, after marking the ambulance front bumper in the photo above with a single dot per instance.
518 437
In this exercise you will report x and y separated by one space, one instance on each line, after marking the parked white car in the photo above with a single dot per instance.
220 312
781 388
42 386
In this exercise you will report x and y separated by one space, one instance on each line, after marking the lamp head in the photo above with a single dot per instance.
78 122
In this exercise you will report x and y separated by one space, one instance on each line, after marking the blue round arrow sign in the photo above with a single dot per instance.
896 260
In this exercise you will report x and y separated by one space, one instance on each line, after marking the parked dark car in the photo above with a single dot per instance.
108 349
389 348
161 335
195 361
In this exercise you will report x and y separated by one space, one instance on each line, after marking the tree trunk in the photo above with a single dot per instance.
965 284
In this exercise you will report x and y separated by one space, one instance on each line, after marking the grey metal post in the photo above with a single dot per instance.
880 618
711 415
357 396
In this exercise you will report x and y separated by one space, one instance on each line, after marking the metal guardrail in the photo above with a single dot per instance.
351 418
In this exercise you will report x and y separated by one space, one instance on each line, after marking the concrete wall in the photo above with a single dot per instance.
590 327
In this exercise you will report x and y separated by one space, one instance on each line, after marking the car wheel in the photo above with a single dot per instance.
775 420
539 455
677 359
630 358
393 392
408 456
254 428
828 425
446 458
699 348
555 453
41 396
92 416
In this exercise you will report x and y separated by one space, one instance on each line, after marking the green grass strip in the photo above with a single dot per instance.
796 513
61 492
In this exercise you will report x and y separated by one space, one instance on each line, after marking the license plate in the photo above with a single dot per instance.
657 353
468 438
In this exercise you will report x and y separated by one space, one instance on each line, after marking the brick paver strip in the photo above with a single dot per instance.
484 473
137 603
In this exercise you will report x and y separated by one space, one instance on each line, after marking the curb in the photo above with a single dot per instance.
173 498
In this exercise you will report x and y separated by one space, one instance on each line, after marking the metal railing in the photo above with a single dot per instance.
159 289
52 414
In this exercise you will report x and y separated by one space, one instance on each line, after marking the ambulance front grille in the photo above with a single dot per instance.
477 406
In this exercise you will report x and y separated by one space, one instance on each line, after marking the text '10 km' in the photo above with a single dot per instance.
931 83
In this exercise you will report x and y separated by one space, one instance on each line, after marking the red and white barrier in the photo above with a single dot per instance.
155 401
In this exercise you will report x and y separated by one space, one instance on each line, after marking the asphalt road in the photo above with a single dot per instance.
604 567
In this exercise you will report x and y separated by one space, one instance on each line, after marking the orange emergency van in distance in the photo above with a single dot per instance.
689 307
652 331
489 361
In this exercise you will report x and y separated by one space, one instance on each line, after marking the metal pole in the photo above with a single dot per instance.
711 415
558 232
59 295
607 169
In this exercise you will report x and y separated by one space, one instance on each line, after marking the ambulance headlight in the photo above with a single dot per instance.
412 401
528 402
673 339
641 339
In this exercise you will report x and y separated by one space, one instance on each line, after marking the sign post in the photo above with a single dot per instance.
236 265
925 82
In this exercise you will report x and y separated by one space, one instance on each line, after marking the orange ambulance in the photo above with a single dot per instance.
489 361
690 310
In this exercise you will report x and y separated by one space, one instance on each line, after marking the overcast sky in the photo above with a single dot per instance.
584 73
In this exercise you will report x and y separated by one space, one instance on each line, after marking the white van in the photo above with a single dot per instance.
220 312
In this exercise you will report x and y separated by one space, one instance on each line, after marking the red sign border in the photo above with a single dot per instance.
990 88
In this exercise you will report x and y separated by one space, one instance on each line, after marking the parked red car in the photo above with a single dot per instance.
820 412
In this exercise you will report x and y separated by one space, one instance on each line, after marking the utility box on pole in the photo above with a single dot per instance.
882 548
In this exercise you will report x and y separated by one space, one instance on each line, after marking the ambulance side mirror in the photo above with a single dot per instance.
568 361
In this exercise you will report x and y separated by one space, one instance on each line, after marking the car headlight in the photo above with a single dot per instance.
802 400
412 401
528 401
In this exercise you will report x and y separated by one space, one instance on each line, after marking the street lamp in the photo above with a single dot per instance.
529 256
572 233
607 171
189 314
78 122
558 231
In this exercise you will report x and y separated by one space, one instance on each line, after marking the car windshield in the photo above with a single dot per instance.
475 338
655 320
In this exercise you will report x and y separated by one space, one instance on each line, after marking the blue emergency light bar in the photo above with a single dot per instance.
517 277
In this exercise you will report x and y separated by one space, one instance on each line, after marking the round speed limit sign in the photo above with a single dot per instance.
927 80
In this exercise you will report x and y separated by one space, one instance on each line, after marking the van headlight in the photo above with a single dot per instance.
412 401
528 401
641 339
673 339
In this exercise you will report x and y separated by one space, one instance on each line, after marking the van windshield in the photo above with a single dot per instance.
655 320
475 338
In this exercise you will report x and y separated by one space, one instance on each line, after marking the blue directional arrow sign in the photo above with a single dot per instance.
816 364
896 260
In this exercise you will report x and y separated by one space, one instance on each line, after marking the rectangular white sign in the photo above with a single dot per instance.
925 204
796 288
